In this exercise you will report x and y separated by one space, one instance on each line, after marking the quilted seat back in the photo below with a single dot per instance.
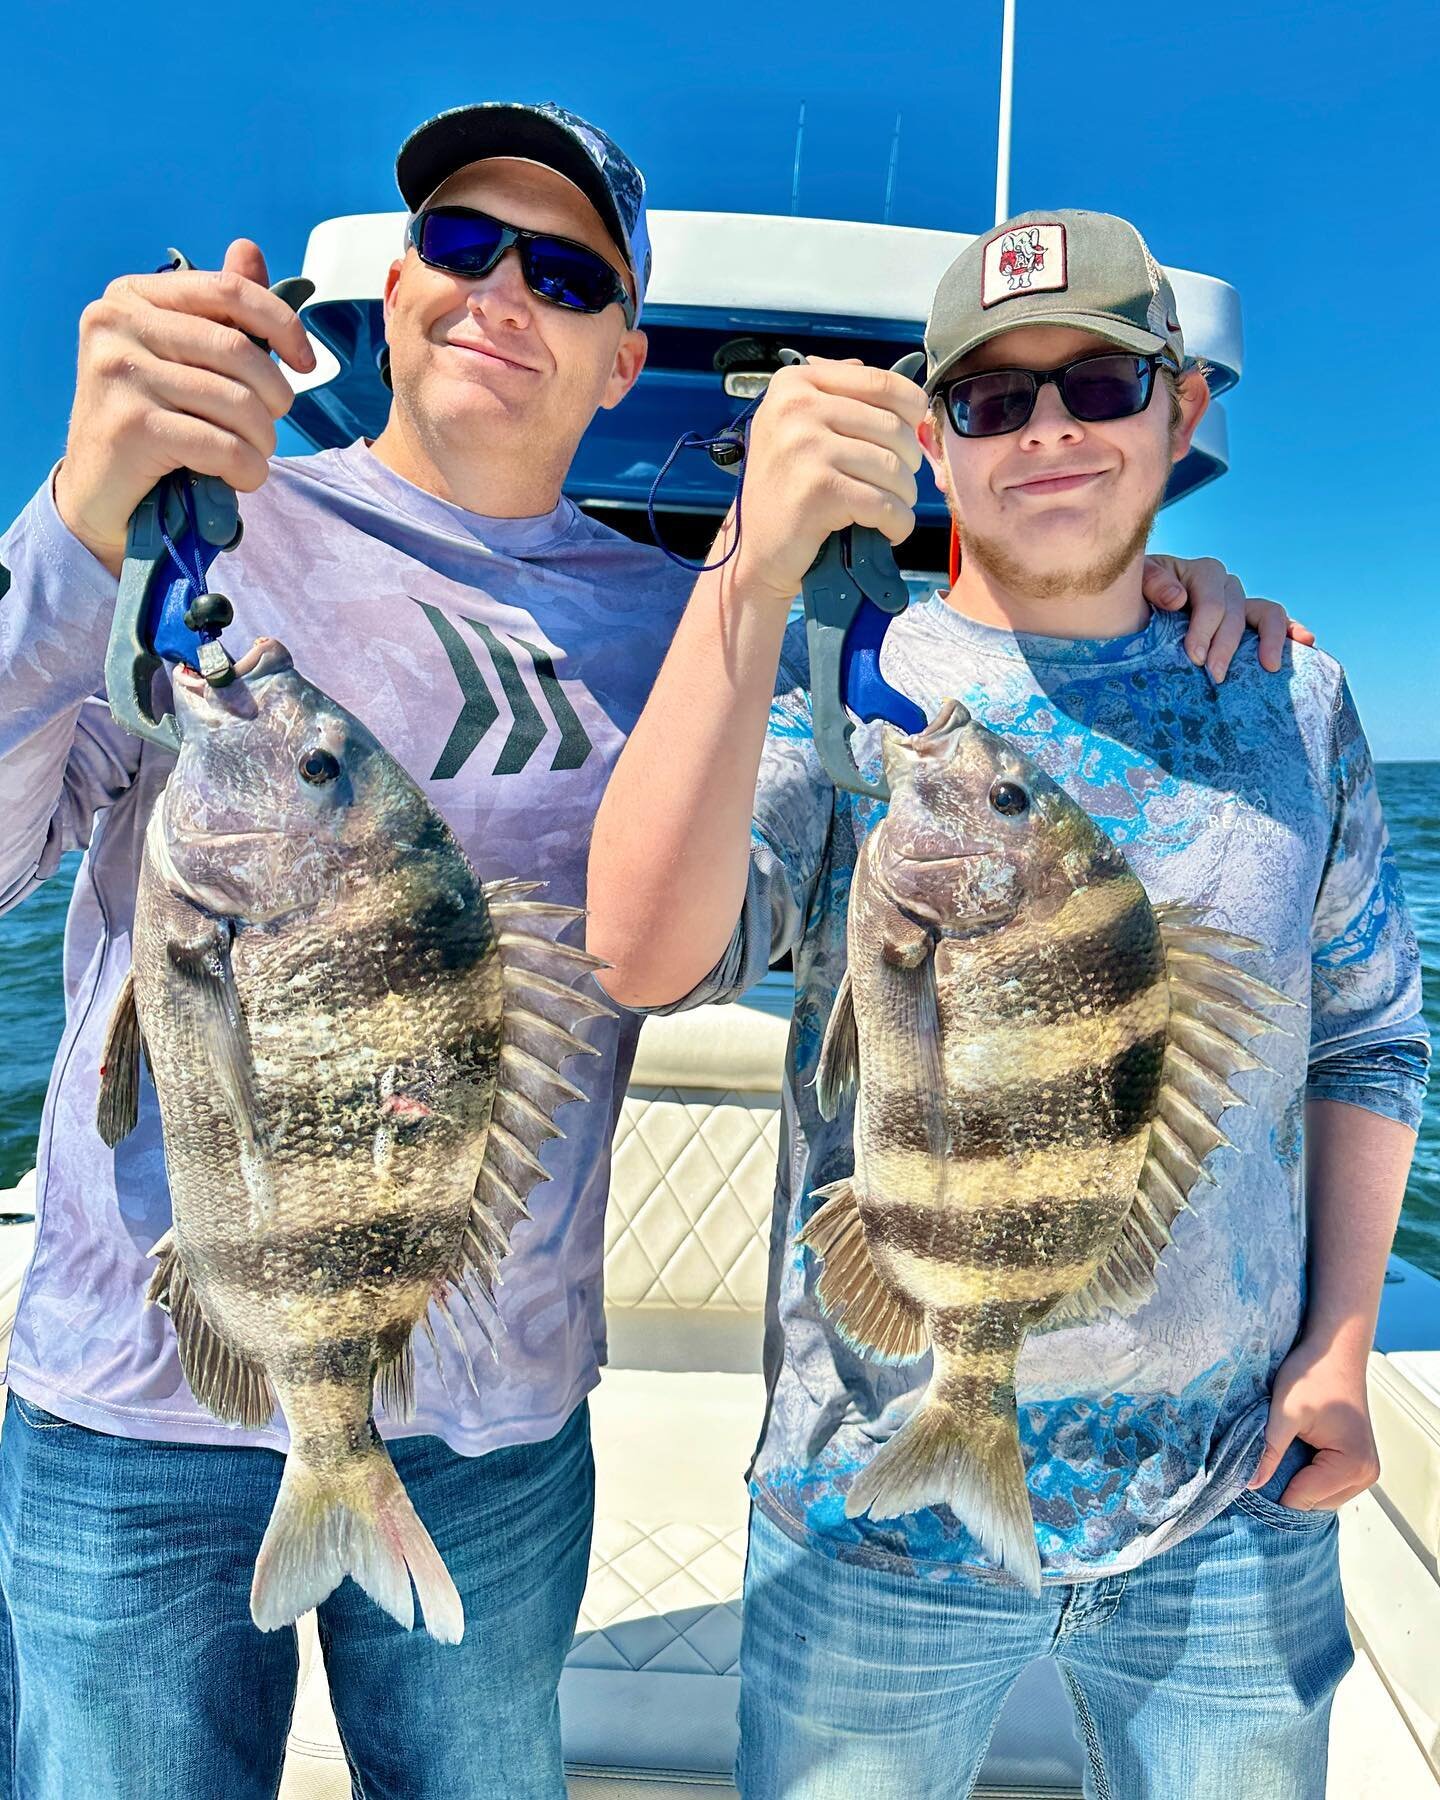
688 1226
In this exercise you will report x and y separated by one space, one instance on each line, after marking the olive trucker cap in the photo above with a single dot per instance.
1085 269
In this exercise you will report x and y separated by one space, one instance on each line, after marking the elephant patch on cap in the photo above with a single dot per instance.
1029 259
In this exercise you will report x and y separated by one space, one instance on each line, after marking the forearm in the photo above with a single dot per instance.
54 625
671 845
1356 1164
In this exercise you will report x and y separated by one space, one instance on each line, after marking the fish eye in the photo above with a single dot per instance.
1009 798
318 767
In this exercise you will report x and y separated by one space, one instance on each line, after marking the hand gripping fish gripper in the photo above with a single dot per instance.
164 611
851 594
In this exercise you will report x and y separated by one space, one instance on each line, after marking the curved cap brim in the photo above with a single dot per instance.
1120 332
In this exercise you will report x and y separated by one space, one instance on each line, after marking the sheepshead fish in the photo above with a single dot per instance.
356 1047
1041 1058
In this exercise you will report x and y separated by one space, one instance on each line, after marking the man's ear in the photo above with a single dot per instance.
932 443
1194 392
392 277
629 361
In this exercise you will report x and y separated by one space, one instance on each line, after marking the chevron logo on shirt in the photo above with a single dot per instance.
480 711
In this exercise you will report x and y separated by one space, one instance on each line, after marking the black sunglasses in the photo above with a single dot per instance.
467 243
1114 385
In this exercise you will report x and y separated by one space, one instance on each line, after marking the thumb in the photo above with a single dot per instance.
1278 1438
1161 584
245 258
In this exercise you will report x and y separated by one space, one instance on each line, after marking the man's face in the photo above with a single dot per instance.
1059 507
489 356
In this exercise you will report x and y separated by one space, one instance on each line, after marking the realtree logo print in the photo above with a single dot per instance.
480 711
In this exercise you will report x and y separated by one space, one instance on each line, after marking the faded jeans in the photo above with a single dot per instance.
1205 1674
134 1671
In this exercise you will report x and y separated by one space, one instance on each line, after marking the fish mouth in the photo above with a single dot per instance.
266 656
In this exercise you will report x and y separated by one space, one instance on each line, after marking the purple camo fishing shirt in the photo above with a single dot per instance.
502 662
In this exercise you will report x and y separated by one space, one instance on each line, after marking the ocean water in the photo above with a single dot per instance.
32 1012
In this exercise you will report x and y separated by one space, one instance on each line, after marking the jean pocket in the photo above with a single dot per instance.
35 1416
1263 1503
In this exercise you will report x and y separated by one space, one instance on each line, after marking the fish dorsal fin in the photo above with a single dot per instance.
839 1066
1215 1009
868 1314
219 1377
119 1106
541 1011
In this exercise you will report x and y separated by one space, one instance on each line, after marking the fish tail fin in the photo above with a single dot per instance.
356 1521
939 1459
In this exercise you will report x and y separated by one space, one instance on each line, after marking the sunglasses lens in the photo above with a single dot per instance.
987 405
1108 387
464 243
569 275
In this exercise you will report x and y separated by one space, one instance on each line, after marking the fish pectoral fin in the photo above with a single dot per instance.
839 1067
220 1378
864 1309
203 964
939 1458
119 1104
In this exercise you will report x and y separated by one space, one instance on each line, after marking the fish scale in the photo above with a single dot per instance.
1039 1057
356 1047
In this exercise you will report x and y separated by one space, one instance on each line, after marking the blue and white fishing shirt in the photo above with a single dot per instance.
1257 799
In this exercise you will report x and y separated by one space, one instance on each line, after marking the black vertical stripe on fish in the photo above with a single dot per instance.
1083 1107
334 1258
1109 964
1062 1228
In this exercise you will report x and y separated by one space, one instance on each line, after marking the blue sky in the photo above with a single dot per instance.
1288 148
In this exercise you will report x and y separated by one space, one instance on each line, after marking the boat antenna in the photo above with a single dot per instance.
890 177
1007 77
795 176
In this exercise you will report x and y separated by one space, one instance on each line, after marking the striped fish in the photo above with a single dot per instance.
356 1048
1041 1058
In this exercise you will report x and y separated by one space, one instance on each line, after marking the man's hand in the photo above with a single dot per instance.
168 380
1320 1397
1219 612
832 444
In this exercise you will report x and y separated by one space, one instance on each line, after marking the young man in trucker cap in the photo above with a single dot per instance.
1184 1463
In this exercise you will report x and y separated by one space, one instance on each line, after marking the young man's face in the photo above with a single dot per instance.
488 354
1058 507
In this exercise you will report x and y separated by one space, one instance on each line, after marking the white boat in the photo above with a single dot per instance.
649 1693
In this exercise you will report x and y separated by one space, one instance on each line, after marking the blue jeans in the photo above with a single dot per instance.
134 1671
1205 1674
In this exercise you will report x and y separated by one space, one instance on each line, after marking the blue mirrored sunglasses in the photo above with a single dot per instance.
469 244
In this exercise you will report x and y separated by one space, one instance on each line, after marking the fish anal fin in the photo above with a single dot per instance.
219 1377
119 1105
866 1312
839 1066
395 1382
937 1458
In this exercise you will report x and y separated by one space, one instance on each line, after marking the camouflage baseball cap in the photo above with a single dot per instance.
1085 269
547 134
